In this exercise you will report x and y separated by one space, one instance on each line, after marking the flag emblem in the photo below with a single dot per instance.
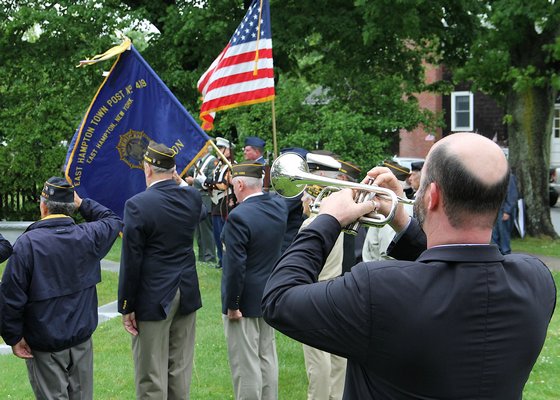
132 146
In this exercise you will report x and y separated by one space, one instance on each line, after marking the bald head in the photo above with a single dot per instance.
480 156
472 173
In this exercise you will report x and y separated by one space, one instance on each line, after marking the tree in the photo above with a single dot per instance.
317 46
43 95
507 48
363 58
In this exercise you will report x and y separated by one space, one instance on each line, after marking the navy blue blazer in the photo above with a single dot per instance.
252 238
49 282
157 251
460 322
5 249
294 219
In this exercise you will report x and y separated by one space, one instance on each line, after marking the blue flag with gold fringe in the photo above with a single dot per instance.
131 107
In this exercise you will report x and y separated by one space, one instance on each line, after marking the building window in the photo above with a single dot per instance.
462 111
556 122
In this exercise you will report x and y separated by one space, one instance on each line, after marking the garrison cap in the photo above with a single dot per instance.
247 168
322 162
159 155
297 150
223 142
254 141
416 166
401 172
326 153
350 169
59 190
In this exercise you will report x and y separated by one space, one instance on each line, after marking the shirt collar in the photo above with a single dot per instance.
51 216
253 195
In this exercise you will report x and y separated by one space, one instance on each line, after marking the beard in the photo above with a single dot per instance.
419 210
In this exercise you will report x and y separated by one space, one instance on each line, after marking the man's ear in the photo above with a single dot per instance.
147 169
240 184
44 209
434 196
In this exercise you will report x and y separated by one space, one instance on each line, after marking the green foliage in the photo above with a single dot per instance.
43 95
346 72
317 47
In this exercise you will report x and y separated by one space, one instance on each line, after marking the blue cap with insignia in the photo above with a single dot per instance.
254 141
59 190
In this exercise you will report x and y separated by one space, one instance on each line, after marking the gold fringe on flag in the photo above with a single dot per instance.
125 45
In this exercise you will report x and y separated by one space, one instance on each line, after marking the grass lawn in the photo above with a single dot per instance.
545 246
113 367
113 374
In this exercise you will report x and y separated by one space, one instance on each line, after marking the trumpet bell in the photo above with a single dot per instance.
287 175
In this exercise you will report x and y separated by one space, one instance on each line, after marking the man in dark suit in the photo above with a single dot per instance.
252 238
197 176
5 249
158 283
458 321
49 312
501 234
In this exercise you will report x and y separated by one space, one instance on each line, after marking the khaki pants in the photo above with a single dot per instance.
326 373
61 375
163 355
252 358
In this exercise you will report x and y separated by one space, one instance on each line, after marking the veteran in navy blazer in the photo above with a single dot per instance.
5 249
461 321
49 287
252 238
158 283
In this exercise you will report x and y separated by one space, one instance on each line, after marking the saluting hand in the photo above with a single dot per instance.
77 200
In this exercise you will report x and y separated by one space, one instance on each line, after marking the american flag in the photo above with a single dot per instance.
243 72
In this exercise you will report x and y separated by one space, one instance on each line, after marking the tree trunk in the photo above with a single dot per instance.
529 154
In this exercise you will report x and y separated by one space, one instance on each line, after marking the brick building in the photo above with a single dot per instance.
463 111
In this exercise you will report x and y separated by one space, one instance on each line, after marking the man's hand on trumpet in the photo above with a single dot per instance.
342 206
383 177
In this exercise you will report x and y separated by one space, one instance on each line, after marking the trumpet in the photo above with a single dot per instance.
289 176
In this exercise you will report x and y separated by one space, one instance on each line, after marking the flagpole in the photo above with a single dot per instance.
220 154
274 130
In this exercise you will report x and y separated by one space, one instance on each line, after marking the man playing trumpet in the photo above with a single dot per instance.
458 320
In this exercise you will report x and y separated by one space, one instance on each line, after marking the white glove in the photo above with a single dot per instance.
201 178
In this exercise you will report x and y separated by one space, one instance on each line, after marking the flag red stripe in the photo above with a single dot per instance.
231 62
238 78
236 98
208 74
244 57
